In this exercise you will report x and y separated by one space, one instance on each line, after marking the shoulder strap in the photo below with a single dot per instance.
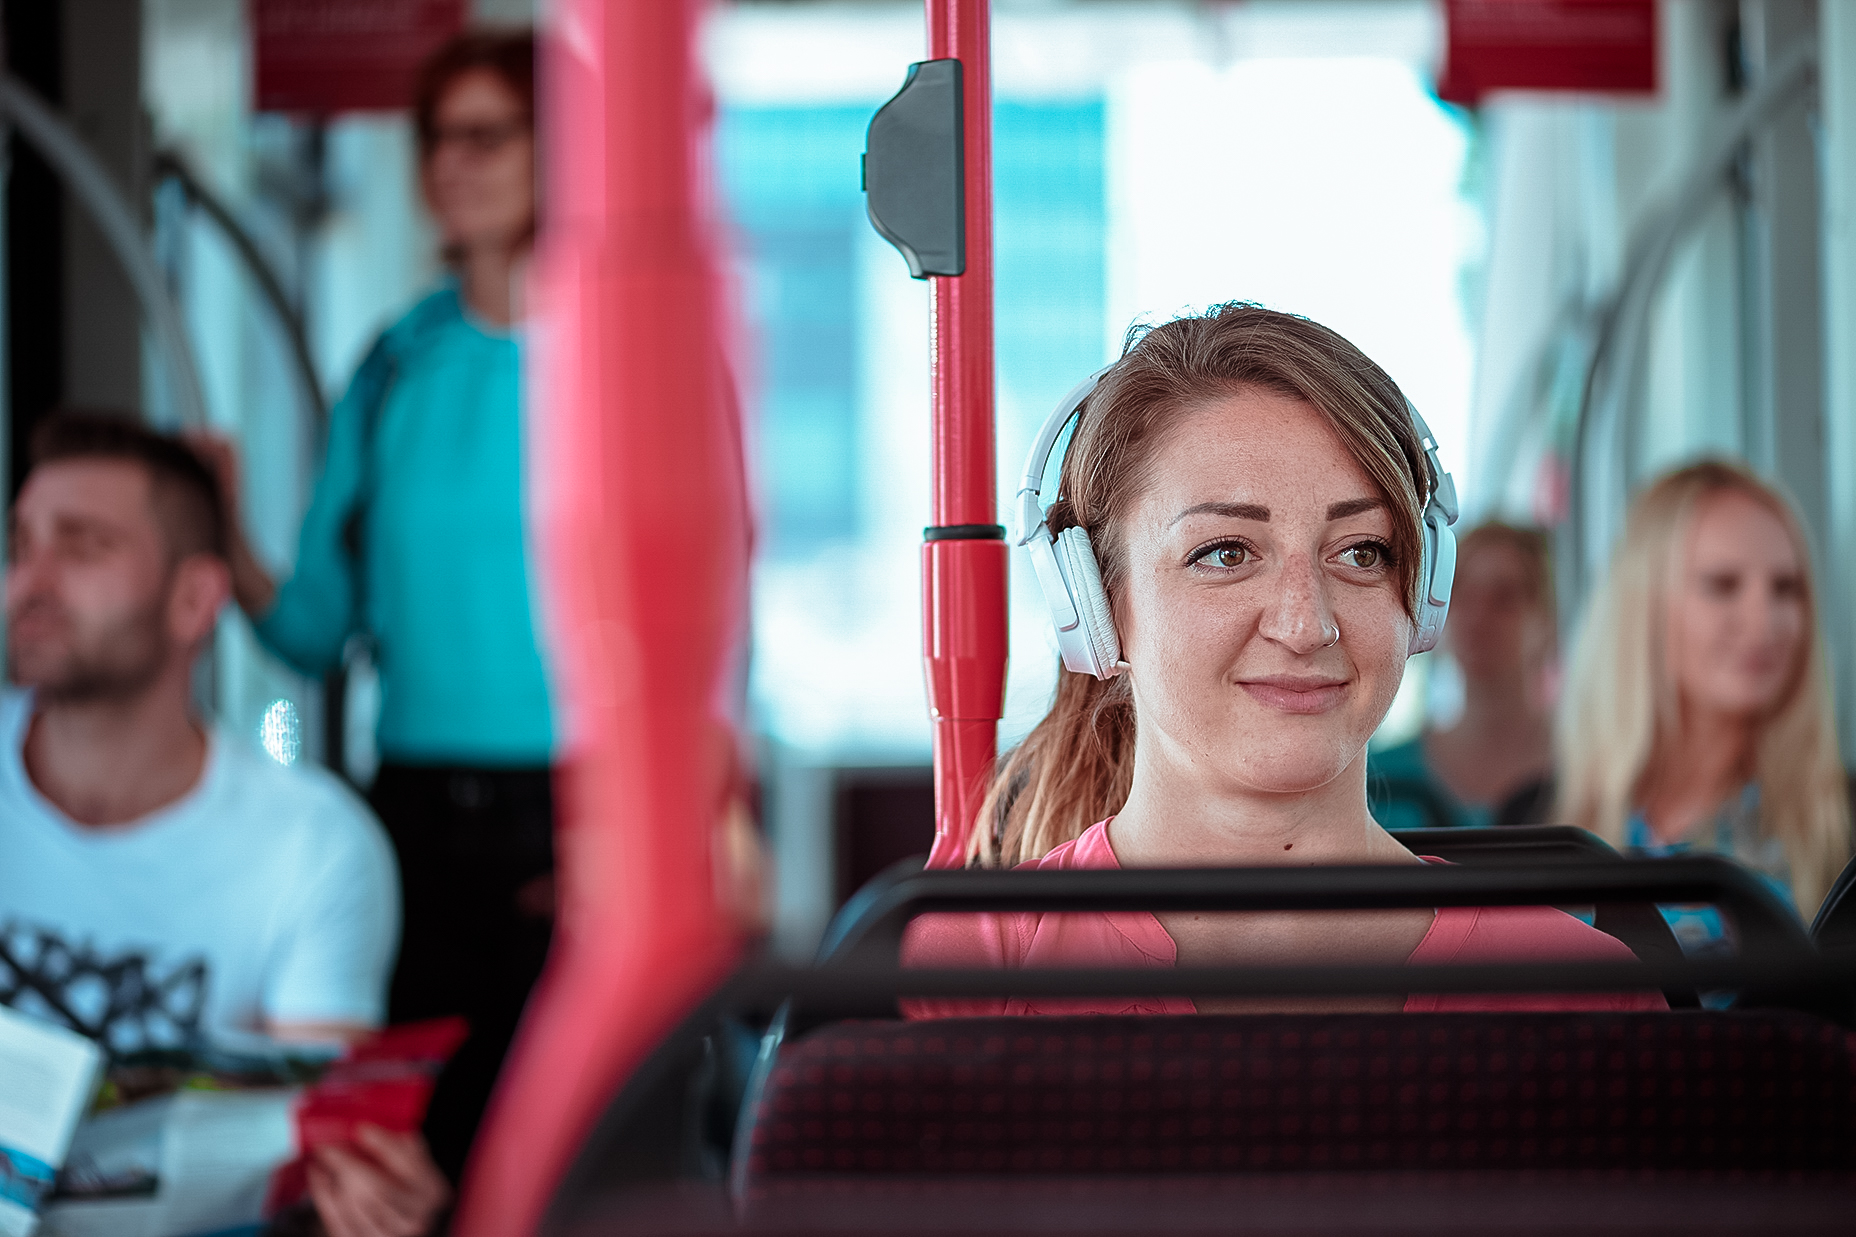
372 381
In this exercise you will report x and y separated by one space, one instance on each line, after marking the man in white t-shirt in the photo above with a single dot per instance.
163 884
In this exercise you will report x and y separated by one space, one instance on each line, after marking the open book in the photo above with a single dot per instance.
47 1076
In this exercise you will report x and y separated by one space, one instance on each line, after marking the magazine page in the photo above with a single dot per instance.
189 1163
47 1076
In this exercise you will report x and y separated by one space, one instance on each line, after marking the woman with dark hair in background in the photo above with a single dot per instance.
1491 765
415 541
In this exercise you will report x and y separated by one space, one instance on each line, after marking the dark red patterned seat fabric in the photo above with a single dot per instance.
1689 1092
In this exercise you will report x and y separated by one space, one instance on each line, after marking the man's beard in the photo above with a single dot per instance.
114 662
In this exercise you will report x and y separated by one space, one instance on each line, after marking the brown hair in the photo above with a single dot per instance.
510 54
1076 765
1622 705
186 497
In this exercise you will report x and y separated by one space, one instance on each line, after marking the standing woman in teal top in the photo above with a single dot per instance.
415 541
1698 713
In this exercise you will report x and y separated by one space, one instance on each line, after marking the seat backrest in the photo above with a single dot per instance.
1722 1091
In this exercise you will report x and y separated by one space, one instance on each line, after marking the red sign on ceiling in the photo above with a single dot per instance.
1593 46
327 56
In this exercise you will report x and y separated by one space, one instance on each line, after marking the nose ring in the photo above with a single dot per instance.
1335 639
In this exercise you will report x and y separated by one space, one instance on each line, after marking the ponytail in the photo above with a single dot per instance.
1072 770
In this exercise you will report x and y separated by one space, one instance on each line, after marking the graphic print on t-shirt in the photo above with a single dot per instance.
126 1001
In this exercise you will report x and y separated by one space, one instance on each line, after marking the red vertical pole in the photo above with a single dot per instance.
643 533
963 576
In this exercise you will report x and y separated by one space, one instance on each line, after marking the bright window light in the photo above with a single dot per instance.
281 732
1150 159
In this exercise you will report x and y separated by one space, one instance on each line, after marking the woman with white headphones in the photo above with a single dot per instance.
1248 534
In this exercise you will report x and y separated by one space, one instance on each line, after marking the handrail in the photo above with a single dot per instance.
79 169
964 576
855 990
171 165
1483 847
1765 924
643 531
1835 924
1615 369
1536 384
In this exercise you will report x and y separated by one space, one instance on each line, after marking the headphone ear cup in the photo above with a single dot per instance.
1436 576
1084 575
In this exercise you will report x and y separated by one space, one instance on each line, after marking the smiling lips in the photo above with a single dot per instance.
1295 693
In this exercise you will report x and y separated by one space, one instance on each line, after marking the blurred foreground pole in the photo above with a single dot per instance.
963 562
1837 116
642 512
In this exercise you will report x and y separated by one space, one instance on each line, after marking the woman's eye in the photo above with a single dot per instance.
1223 556
1365 556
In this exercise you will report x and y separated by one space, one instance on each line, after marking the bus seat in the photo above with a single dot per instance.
1711 1093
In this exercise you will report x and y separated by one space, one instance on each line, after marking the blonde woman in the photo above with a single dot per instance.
1697 714
1252 488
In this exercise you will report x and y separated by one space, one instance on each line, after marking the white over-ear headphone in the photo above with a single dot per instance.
1071 580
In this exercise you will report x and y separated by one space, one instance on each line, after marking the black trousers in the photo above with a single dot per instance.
476 853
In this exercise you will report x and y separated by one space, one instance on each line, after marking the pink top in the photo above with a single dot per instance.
1459 934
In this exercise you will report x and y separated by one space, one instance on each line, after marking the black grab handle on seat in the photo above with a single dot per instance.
1766 926
1534 843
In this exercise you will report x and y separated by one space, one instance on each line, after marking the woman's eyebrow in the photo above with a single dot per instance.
1235 511
1353 506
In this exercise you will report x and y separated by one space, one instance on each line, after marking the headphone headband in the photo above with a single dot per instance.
1443 487
1030 510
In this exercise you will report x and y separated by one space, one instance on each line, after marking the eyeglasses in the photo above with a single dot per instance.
477 139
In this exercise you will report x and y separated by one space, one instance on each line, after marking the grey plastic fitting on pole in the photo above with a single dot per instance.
104 202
